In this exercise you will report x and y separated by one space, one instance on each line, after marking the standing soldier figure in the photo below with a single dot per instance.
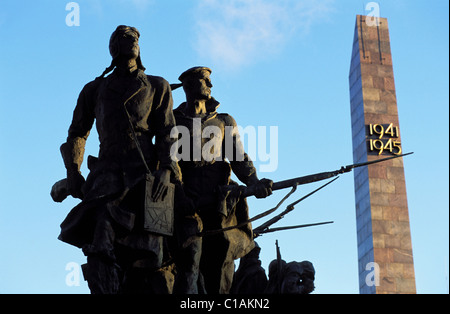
208 207
131 109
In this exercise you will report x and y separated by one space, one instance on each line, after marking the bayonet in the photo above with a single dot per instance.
251 190
257 232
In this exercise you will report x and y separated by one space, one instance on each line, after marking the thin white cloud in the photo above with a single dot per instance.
231 33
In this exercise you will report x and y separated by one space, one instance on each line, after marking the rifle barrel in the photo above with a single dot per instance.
304 180
251 190
269 230
350 167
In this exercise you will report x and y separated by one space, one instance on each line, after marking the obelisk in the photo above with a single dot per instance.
383 229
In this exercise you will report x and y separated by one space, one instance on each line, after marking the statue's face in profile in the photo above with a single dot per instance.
128 45
199 85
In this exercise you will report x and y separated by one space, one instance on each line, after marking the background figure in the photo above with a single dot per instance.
298 278
290 278
250 278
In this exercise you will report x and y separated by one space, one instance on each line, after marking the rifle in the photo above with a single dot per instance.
251 190
292 183
279 267
268 212
259 231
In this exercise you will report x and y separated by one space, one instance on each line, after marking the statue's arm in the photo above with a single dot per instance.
240 162
72 150
162 121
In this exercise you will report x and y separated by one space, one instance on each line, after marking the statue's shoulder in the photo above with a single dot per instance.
179 111
93 86
158 82
227 119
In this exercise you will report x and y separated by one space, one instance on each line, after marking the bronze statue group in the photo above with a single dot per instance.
145 213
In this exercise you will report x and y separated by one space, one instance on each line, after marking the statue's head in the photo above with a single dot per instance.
196 82
124 42
298 278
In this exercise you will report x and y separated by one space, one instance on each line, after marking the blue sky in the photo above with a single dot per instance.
281 63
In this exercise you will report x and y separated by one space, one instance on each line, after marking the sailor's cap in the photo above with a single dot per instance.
193 71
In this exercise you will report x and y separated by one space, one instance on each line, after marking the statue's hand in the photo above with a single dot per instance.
161 184
75 182
263 188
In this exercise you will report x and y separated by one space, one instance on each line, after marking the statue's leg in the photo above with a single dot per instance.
101 270
227 274
145 276
213 266
188 268
187 252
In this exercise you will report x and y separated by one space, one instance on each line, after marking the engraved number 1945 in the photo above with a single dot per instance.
381 145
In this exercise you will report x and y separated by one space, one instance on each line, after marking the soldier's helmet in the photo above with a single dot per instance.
114 43
114 48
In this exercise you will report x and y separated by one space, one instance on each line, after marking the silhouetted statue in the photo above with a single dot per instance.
284 278
157 199
131 109
297 278
207 139
250 277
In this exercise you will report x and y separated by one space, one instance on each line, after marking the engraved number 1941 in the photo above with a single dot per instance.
381 145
